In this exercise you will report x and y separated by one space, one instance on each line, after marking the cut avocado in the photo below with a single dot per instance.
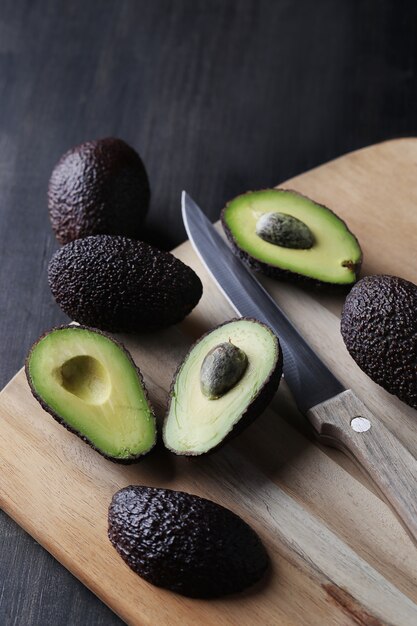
119 284
184 543
195 423
316 245
89 383
379 328
98 187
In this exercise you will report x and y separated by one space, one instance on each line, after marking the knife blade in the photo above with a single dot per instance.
337 415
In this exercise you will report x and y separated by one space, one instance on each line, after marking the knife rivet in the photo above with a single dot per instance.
360 424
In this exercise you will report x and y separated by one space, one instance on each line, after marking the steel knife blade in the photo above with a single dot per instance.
337 415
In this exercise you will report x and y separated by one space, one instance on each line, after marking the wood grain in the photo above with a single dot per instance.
339 554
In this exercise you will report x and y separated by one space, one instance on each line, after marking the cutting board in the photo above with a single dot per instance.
339 554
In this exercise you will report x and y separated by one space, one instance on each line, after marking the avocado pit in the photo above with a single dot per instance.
222 368
284 230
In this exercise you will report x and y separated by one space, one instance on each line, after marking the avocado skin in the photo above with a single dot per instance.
118 284
252 411
184 543
379 328
275 272
48 409
98 187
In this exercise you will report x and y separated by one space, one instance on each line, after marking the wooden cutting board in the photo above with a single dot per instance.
339 554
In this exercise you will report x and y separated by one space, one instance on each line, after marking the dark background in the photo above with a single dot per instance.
218 96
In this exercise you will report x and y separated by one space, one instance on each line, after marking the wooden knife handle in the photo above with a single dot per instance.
345 422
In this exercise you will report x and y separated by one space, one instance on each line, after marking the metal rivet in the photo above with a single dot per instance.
360 424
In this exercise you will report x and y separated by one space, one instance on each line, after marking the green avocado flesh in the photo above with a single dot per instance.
88 382
195 423
335 255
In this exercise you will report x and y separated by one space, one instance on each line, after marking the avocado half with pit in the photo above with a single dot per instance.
89 383
225 381
284 234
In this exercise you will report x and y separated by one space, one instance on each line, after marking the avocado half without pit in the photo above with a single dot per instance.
184 543
284 234
226 380
89 383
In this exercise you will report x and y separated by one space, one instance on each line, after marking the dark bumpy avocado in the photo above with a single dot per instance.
98 187
320 250
89 383
379 328
184 543
119 284
196 424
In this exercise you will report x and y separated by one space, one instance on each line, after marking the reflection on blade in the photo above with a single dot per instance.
310 381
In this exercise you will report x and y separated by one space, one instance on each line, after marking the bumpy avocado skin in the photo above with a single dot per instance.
184 543
118 284
48 409
280 274
98 187
249 413
379 328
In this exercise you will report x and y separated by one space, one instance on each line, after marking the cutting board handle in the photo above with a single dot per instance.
345 422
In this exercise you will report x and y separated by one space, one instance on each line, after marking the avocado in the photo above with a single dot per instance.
200 419
285 235
184 543
98 187
89 383
379 328
118 284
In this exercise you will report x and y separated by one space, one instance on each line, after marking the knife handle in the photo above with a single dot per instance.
345 422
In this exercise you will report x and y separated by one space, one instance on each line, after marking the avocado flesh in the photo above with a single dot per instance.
89 383
196 424
335 256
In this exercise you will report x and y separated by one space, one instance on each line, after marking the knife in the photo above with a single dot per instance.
337 415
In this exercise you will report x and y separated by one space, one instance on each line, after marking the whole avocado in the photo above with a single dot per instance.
184 543
98 187
118 284
379 328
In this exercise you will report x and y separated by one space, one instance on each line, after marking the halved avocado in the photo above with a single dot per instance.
198 421
322 248
89 383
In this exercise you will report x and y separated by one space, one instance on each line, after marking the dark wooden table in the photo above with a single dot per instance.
218 96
